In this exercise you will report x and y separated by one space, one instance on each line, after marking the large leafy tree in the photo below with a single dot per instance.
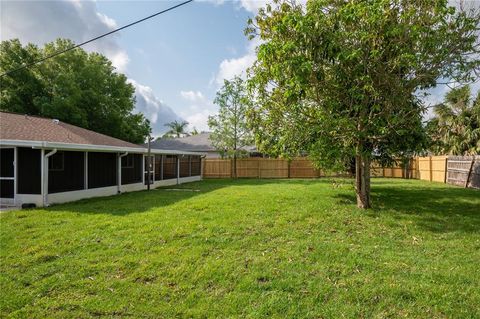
230 133
77 87
339 79
176 129
455 128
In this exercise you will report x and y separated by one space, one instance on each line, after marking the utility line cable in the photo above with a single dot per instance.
96 38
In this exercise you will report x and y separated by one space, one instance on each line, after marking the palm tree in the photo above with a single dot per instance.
177 129
194 131
455 129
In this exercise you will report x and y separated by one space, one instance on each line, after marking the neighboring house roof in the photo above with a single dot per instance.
34 128
199 142
194 143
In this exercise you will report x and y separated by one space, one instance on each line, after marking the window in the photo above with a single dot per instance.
127 161
56 161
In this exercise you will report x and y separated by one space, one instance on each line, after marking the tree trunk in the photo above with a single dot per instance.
235 165
362 181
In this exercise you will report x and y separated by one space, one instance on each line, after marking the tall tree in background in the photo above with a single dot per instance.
339 79
455 129
177 129
77 87
194 131
230 134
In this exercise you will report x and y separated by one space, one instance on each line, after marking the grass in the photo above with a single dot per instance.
248 249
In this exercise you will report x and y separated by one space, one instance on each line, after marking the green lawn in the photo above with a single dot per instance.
248 249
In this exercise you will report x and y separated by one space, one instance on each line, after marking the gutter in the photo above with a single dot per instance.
93 148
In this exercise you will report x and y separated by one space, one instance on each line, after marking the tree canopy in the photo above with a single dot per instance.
455 128
77 87
176 129
230 133
340 79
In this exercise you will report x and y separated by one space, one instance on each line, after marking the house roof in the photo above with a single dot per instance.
34 128
200 142
194 143
39 132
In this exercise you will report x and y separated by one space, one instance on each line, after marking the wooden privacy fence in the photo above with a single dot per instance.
256 167
458 170
463 171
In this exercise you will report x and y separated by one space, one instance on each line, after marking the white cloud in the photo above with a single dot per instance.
198 110
112 24
119 59
193 96
253 5
153 108
229 68
40 22
249 5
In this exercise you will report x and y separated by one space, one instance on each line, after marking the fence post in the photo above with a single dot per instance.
258 168
446 170
288 166
430 168
470 172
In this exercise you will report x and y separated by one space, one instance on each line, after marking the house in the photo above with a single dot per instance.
195 143
45 161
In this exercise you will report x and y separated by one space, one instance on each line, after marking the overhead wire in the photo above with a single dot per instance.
94 39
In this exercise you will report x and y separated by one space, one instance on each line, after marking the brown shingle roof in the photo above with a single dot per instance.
32 128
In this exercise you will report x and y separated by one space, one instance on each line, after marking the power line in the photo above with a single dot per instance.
96 38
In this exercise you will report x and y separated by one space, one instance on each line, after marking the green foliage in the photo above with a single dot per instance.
230 134
77 87
194 131
177 129
339 79
455 129
247 249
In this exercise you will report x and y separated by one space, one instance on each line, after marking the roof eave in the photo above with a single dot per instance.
91 147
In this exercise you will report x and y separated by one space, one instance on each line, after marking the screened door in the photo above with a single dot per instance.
7 175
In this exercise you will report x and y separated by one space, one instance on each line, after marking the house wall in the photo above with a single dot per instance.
100 168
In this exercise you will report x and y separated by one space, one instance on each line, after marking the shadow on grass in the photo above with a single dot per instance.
434 208
142 201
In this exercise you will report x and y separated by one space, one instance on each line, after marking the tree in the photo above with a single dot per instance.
230 134
455 129
77 87
177 129
340 79
194 131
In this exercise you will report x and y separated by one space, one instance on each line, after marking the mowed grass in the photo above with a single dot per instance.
248 249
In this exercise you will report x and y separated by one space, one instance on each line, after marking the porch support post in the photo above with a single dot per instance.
189 165
85 169
178 169
42 173
119 171
143 169
15 175
45 174
161 167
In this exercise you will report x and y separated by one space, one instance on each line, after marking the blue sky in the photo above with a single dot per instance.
180 51
176 61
